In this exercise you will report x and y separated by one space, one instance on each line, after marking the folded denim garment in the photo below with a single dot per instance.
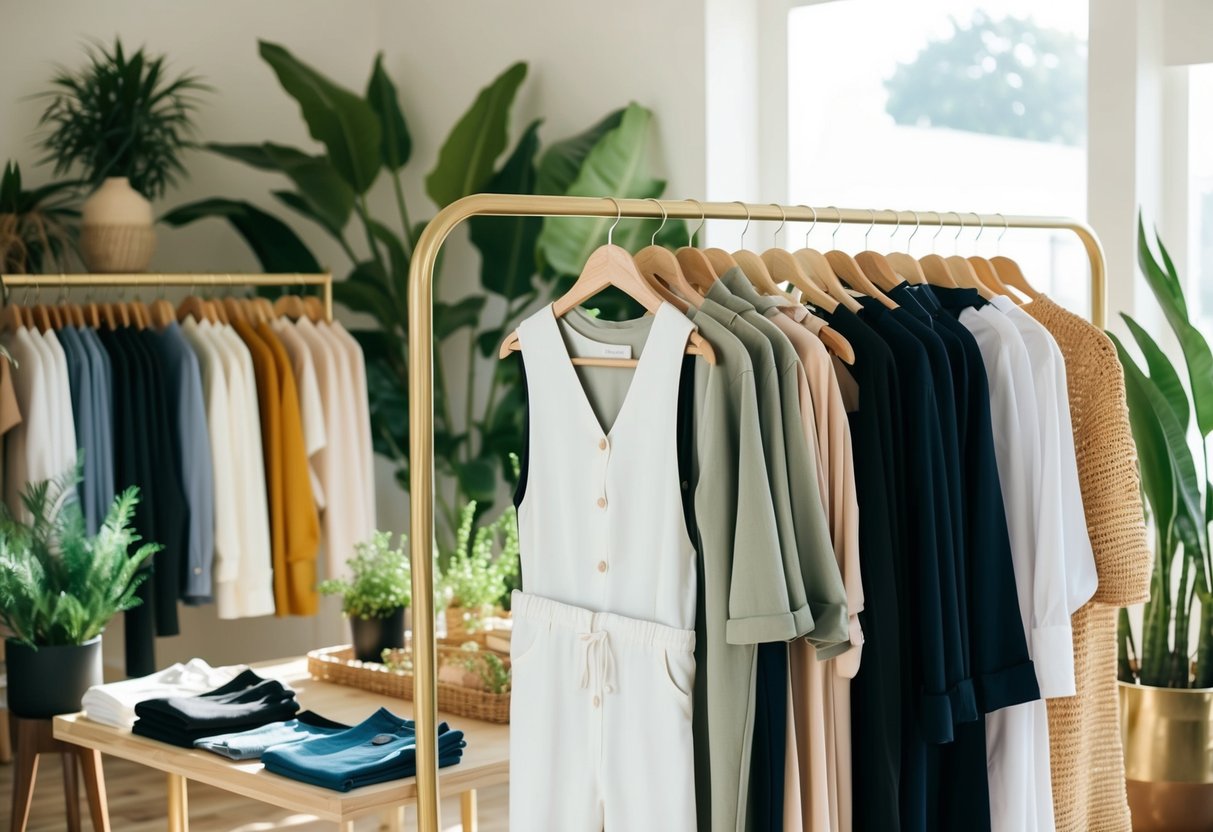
248 701
382 747
251 744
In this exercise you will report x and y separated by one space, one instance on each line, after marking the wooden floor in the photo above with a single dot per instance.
136 802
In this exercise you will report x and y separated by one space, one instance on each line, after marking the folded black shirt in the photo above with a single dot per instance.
248 701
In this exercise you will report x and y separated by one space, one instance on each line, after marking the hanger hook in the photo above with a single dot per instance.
896 224
938 231
703 218
917 225
783 220
664 216
981 227
62 288
813 225
871 225
747 221
1006 226
618 217
960 221
834 234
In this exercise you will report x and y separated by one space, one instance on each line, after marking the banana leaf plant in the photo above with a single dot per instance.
1169 418
364 139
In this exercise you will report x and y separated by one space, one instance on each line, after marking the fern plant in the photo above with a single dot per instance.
58 585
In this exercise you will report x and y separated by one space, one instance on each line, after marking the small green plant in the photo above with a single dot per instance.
58 585
381 579
121 115
488 666
36 226
481 570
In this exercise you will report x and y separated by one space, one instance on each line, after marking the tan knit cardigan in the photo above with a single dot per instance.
1084 730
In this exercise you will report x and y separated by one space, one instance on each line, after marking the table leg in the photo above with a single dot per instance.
393 820
71 791
178 804
94 787
25 773
347 826
467 810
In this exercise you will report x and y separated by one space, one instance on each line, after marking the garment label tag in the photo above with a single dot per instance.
597 349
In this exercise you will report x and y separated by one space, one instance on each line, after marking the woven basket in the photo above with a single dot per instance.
338 665
109 249
490 619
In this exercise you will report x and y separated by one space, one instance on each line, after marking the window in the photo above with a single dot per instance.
948 104
1200 192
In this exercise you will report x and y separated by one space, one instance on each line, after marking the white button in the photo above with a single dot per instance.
602 566
596 701
602 444
197 570
602 502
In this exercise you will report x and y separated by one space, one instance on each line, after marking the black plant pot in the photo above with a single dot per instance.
49 681
374 635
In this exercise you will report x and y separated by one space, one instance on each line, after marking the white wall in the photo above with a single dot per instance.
585 59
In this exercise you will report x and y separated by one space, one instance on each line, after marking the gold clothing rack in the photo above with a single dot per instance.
421 378
211 279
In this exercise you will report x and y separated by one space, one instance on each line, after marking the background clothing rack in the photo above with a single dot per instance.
421 377
209 279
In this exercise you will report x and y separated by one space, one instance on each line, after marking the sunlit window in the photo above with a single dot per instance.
946 105
1200 191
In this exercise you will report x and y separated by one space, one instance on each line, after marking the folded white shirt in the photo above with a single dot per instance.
114 704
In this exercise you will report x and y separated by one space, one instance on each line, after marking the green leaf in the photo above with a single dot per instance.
466 160
1197 356
477 479
337 118
365 290
328 196
451 317
398 265
614 167
562 161
277 247
1162 372
396 145
507 244
1154 416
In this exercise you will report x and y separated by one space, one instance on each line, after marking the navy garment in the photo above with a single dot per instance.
79 377
928 625
187 420
768 752
248 701
383 747
877 689
252 743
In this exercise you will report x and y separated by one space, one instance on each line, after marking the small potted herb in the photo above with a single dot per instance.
375 595
480 572
59 587
123 122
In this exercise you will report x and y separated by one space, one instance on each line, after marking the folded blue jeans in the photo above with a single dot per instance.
382 747
250 745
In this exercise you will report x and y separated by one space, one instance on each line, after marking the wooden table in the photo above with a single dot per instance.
485 760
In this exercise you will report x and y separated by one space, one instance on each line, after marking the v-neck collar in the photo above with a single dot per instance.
644 365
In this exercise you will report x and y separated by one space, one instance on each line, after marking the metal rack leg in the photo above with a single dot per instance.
178 804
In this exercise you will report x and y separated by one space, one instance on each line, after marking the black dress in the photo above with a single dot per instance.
876 690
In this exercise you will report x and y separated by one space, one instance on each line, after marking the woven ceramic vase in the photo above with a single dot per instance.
116 234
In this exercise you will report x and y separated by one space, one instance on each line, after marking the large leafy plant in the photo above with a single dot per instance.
36 225
58 585
364 139
1178 496
121 115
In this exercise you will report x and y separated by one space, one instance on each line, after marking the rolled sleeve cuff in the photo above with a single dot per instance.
935 713
760 629
833 627
1010 686
963 697
1053 655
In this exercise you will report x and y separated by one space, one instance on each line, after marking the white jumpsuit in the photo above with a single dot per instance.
603 642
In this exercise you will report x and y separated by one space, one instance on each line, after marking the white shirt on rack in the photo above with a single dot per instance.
30 446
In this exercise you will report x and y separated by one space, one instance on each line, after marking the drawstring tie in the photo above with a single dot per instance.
596 647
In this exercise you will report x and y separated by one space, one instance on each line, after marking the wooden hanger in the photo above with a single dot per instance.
785 268
193 307
11 317
1011 275
818 270
291 306
695 265
661 268
315 309
611 265
234 309
266 309
853 275
988 278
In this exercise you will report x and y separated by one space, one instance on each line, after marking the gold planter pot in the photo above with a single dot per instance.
1168 740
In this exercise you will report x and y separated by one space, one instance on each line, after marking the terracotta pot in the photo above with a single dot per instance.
1168 739
51 680
116 233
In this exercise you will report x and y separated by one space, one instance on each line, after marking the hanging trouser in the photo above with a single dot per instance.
599 701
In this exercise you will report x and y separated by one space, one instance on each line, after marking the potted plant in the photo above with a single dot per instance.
480 573
1166 681
375 595
123 122
59 587
35 225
